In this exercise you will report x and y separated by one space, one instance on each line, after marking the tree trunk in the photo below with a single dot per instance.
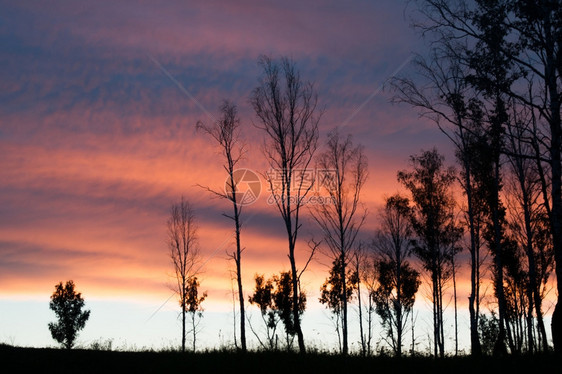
435 313
441 322
499 347
532 267
344 304
398 306
194 332
237 259
473 299
556 192
363 345
413 336
183 330
455 304
296 316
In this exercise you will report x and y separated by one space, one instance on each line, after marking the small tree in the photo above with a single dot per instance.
67 305
263 297
331 294
398 282
488 327
193 305
274 297
184 253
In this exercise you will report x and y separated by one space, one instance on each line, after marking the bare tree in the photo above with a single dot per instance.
184 251
344 172
286 108
225 131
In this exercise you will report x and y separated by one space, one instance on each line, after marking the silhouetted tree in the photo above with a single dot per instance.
538 27
442 94
454 266
397 281
489 330
516 289
68 306
513 51
344 168
184 251
193 305
366 269
331 294
435 227
358 260
491 74
263 297
275 299
225 131
528 219
286 110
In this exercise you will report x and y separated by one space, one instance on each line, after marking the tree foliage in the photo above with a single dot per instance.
68 306
435 226
397 281
274 297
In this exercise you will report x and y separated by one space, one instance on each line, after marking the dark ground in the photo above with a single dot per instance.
48 360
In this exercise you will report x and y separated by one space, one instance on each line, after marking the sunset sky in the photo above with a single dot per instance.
98 105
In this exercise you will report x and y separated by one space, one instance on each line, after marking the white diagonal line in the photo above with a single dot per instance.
182 88
376 91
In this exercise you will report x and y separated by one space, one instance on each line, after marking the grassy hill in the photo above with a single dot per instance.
48 360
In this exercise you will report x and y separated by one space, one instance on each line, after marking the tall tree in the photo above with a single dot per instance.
398 282
527 218
226 132
183 249
443 95
286 108
523 37
435 227
68 306
344 168
492 75
538 26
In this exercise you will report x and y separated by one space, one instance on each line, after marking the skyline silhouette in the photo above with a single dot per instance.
98 109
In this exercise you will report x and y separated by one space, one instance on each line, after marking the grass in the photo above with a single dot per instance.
49 360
